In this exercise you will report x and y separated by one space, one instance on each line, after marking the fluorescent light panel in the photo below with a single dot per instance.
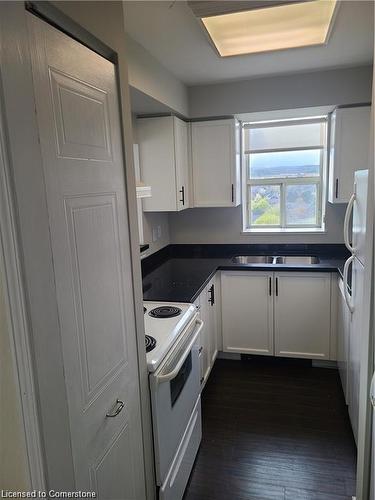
272 28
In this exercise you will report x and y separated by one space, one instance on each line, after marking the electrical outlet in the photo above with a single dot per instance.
159 232
154 234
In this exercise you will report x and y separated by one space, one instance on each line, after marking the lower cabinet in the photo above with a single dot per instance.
207 305
283 314
247 302
302 314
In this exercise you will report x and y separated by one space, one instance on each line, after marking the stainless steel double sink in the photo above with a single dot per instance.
292 260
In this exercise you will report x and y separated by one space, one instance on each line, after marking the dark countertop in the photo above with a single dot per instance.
179 274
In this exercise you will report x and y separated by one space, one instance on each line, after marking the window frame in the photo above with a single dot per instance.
320 181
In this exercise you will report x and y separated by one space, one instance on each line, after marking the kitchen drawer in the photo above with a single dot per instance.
177 478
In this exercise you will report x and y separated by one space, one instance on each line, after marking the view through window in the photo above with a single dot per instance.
284 174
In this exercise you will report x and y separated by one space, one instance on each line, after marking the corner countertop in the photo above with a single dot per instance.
178 273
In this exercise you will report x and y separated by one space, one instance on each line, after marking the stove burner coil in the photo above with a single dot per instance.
150 343
165 312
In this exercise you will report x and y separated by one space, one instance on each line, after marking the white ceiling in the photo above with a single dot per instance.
172 34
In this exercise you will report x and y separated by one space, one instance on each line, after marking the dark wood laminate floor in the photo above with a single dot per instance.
273 429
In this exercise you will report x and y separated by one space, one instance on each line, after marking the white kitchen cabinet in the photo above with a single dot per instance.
164 162
215 152
302 314
285 314
209 343
349 148
247 303
343 334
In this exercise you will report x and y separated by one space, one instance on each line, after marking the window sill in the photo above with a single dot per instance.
289 230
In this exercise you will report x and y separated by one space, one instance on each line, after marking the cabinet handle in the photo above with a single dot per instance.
277 287
337 188
232 193
182 191
211 300
200 350
270 286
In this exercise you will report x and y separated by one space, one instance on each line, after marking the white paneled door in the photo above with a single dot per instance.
79 127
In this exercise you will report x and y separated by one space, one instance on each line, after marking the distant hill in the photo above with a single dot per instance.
284 170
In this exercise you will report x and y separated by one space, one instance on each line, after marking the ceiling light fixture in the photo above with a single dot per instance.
280 27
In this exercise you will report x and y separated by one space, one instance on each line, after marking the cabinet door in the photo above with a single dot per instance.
157 162
215 163
302 310
343 329
247 312
181 140
349 147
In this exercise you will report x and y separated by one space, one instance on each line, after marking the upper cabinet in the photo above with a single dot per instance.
349 147
215 153
164 162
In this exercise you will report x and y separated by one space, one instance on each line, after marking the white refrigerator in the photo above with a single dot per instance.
354 273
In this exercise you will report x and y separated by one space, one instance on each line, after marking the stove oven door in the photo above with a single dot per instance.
175 388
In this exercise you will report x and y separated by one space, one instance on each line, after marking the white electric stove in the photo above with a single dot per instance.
173 361
164 323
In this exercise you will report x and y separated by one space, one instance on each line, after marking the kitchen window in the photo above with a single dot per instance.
284 175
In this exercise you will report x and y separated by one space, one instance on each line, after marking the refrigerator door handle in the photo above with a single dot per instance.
348 298
372 395
348 213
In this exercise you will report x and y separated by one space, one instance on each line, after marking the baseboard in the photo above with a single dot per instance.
322 363
229 355
315 363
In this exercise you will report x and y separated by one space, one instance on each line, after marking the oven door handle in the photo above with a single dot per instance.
172 374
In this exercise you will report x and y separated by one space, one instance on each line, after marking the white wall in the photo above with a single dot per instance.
150 77
147 75
14 473
318 88
153 220
224 225
300 90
